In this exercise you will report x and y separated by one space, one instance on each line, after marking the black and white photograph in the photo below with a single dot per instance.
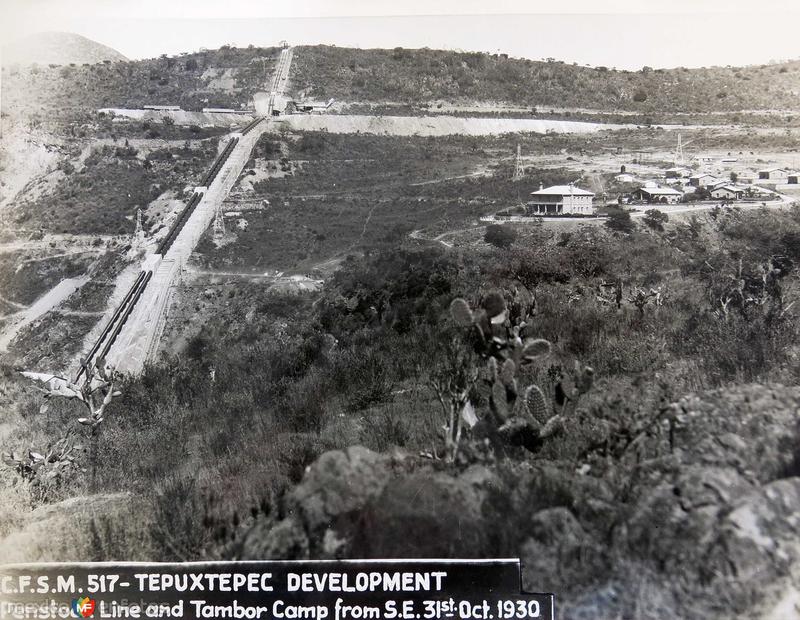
507 287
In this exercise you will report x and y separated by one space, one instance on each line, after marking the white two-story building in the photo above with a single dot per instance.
561 200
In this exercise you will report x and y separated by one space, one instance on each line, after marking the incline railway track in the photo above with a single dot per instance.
281 72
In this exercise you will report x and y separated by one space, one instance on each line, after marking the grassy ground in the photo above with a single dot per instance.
349 193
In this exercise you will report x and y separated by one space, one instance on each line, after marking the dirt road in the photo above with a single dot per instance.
671 210
435 125
44 304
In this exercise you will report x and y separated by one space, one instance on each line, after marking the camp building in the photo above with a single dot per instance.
561 200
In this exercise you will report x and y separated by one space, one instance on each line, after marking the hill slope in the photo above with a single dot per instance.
227 77
414 76
410 81
59 48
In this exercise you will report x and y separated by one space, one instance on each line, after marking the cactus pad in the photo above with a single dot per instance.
499 401
461 313
536 403
535 348
507 372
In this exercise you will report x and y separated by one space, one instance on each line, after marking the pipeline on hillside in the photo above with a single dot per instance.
221 159
110 325
177 225
117 321
250 126
124 318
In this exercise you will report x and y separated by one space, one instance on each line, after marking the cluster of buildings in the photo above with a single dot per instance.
680 183
285 105
677 184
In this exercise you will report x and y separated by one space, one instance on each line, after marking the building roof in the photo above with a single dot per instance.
663 191
562 190
731 188
701 175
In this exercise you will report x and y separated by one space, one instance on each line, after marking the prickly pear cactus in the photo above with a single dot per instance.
502 323
536 404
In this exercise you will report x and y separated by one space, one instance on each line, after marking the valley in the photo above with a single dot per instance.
474 307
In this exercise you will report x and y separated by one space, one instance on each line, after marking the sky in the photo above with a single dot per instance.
625 34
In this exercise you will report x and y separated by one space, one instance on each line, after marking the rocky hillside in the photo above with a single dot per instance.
711 519
59 48
414 76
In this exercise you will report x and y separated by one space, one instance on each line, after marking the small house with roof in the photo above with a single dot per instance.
702 180
662 195
727 192
779 175
677 172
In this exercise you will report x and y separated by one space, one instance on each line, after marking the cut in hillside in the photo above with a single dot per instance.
59 48
423 75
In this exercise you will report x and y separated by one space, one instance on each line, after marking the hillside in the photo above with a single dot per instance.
410 82
60 48
414 76
227 77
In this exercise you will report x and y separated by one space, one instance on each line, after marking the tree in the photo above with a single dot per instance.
500 236
702 193
620 220
639 96
734 177
655 219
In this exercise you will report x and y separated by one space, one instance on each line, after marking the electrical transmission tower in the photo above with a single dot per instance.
678 159
219 225
519 170
139 232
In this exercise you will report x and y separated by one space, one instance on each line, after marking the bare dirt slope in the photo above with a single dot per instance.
436 125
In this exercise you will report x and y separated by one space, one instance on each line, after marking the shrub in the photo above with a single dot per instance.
620 220
655 219
500 236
